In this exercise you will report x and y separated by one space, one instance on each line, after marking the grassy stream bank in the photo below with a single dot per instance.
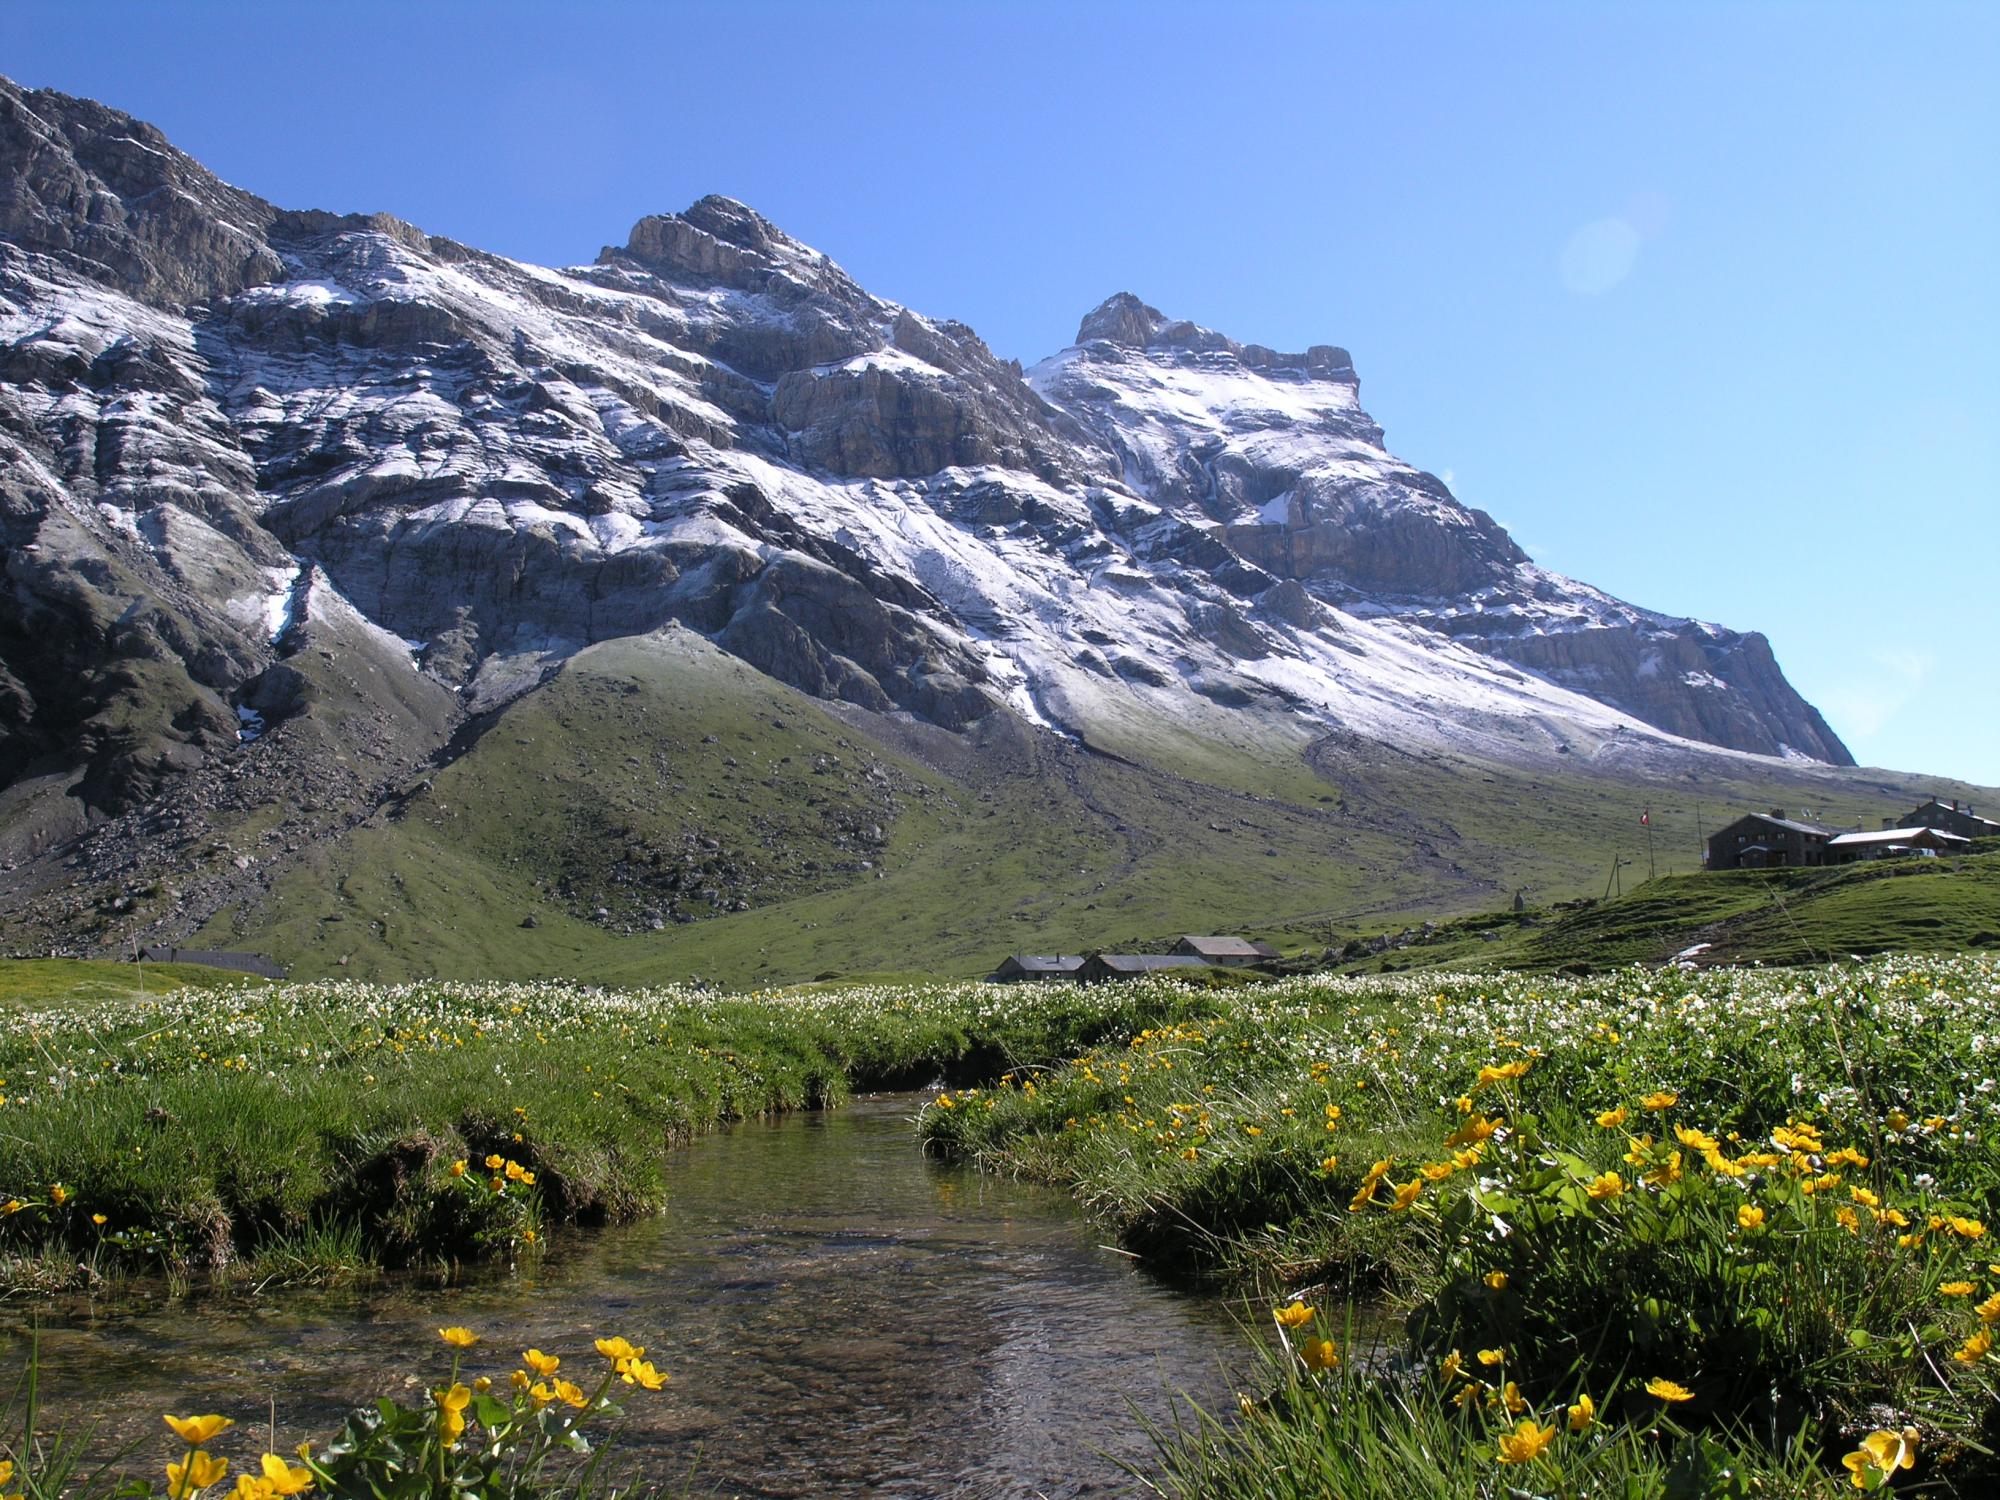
1652 1233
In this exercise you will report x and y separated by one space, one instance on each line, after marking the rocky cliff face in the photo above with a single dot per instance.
218 418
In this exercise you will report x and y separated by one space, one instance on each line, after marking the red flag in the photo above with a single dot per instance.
1645 817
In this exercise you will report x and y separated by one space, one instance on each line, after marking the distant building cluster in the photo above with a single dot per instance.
1770 841
1188 953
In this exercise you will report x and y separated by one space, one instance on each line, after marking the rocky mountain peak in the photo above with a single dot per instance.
109 195
723 242
1128 322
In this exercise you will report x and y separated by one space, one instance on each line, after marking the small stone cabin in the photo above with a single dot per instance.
1040 967
1768 841
1947 817
1102 966
1233 952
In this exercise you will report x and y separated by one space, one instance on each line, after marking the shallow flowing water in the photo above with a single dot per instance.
839 1316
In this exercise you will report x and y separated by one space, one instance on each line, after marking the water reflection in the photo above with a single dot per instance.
839 1317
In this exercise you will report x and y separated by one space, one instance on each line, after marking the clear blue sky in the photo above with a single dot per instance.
1701 301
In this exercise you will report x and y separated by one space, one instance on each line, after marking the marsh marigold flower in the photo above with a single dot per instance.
1407 1194
194 1431
1956 1289
1319 1354
1974 1349
281 1478
1880 1455
1296 1315
199 1472
1582 1414
451 1412
1749 1217
1609 1185
1668 1390
1611 1119
1492 1356
542 1364
1525 1442
1663 1099
641 1373
458 1338
1496 1280
1989 1310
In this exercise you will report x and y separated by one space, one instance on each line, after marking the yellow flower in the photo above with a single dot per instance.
541 1394
1668 1390
1849 1220
1497 1280
1970 1229
458 1167
1582 1414
1749 1218
616 1349
1880 1455
11 1206
573 1393
451 1413
1638 1149
1437 1171
495 1162
1989 1310
6 1470
1297 1315
1956 1289
1500 1073
1319 1354
283 1478
194 1431
199 1472
99 1220
1974 1349
1611 1119
1452 1366
542 1364
458 1338
1512 1399
1610 1185
1897 1120
58 1194
1696 1140
1369 1183
1407 1194
1492 1356
483 1384
1474 1130
1525 1442
641 1373
1668 1171
1663 1100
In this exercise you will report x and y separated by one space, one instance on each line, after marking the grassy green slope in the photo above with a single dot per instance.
1779 916
77 983
633 803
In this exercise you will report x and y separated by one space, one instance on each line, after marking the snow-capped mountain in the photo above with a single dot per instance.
226 426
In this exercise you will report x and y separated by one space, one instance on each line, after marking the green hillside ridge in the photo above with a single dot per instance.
1797 916
659 810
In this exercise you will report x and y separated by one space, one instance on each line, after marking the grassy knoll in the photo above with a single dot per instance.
1762 916
27 983
291 1131
1674 1223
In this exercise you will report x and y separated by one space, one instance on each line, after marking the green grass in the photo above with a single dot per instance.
1744 916
82 983
1305 1138
298 1132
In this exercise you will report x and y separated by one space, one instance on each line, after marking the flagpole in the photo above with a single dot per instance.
1652 873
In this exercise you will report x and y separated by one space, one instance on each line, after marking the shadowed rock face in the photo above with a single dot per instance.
215 413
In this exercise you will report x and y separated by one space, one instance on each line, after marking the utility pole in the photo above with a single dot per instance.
1646 821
